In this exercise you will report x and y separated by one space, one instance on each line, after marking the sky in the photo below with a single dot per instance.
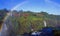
49 6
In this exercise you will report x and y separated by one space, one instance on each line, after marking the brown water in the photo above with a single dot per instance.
0 26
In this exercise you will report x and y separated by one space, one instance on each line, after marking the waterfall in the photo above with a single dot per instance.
45 23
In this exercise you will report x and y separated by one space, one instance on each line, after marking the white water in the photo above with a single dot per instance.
45 23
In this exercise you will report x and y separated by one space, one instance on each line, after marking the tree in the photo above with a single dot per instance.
44 13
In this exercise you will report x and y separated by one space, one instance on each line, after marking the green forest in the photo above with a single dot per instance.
24 21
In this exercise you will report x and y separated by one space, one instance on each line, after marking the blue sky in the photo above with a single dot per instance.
49 6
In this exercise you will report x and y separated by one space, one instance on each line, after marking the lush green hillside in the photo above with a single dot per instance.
24 21
29 20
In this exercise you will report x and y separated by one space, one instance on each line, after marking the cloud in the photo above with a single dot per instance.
18 5
14 8
54 3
